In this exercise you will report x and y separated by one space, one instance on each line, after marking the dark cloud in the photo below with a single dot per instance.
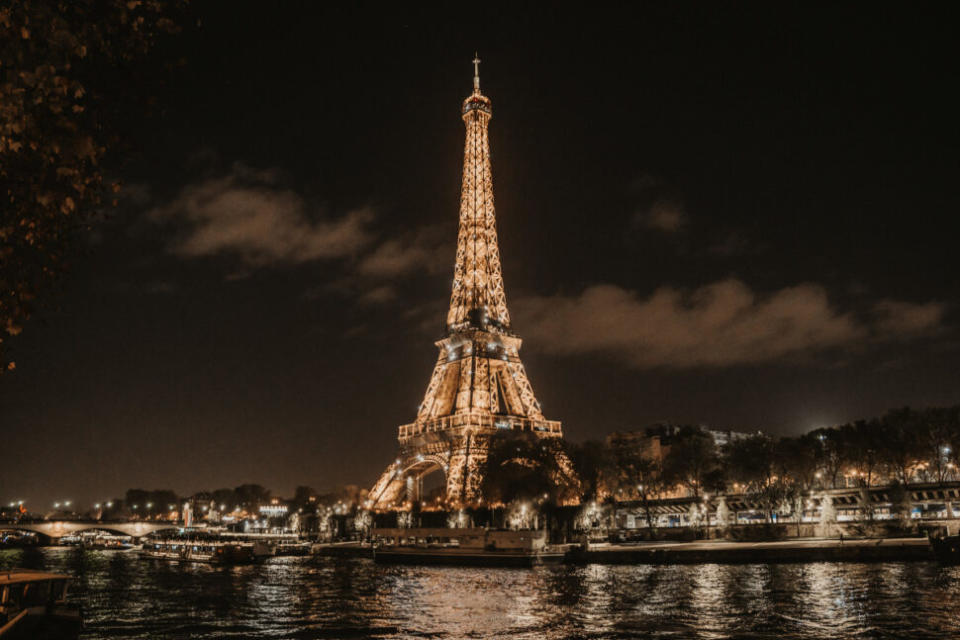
659 204
249 215
717 325
895 318
425 249
378 295
664 214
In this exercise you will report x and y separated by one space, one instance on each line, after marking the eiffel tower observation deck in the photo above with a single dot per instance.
478 384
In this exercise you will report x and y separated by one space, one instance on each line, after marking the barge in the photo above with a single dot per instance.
464 547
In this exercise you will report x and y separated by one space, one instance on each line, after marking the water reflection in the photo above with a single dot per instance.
127 597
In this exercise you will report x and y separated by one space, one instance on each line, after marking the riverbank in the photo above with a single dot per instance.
723 552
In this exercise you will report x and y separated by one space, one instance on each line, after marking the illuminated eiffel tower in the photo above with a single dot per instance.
478 384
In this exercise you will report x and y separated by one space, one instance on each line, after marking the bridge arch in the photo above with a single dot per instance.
57 529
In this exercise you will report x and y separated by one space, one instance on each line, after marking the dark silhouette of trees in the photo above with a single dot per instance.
67 70
692 460
523 466
637 475
594 465
225 499
250 496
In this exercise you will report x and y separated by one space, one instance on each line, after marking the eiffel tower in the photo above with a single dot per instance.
478 385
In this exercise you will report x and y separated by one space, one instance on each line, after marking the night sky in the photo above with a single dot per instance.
729 214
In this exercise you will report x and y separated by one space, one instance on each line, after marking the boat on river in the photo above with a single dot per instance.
475 546
204 549
33 604
946 548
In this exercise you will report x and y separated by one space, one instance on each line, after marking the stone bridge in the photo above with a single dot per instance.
55 529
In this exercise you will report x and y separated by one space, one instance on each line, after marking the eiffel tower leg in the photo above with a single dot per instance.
476 461
389 488
456 472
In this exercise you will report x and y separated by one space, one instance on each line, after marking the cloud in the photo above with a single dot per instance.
664 214
423 249
659 204
248 214
717 325
905 319
378 295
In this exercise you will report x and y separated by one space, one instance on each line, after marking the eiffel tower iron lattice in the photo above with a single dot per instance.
478 384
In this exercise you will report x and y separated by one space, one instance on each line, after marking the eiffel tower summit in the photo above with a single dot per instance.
479 384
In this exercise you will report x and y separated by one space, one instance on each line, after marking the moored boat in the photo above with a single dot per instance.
297 548
33 605
207 551
473 546
946 548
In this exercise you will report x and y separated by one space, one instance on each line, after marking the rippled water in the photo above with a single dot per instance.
124 596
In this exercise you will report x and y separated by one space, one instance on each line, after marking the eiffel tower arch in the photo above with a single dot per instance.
478 386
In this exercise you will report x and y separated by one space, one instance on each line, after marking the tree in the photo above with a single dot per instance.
594 465
752 461
830 453
692 458
526 467
251 496
935 439
302 497
901 445
66 69
225 499
862 440
639 475
796 471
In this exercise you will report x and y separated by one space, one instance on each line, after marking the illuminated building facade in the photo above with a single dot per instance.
478 384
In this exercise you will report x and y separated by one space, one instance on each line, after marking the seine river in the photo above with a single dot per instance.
124 596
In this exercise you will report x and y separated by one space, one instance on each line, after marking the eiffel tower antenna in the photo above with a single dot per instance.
476 72
478 384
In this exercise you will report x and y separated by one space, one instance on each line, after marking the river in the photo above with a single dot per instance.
124 596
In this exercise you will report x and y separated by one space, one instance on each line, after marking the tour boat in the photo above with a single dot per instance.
33 605
473 546
208 551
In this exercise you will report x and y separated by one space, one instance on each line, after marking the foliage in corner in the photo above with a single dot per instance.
65 69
